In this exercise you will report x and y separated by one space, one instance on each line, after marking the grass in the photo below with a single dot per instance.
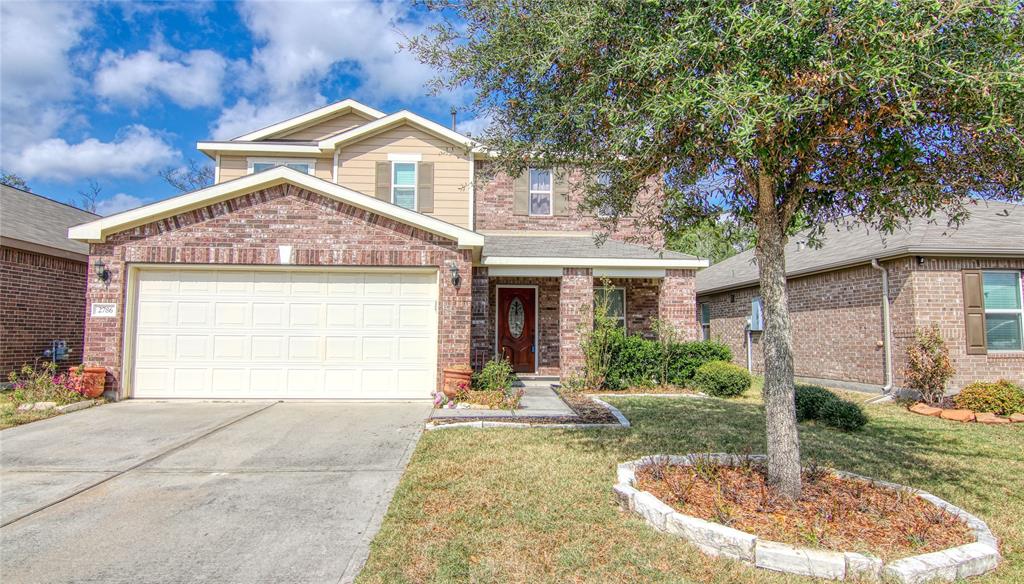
536 505
10 416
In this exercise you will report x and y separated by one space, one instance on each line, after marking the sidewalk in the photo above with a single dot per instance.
539 400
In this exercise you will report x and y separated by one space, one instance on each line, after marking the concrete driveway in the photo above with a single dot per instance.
200 492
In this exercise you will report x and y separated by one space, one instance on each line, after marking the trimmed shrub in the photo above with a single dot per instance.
721 379
636 361
929 367
1001 397
842 414
810 399
686 358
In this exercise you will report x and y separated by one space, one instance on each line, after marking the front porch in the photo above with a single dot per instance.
535 317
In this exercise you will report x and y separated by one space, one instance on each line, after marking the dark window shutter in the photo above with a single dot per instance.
560 192
521 194
974 312
382 186
425 187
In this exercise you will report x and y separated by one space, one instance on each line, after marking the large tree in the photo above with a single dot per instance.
870 110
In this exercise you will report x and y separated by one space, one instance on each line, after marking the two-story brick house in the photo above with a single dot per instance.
346 253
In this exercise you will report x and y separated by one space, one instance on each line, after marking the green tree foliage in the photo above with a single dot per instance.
712 239
873 111
13 180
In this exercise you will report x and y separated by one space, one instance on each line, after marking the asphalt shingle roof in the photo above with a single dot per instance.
569 246
993 229
35 219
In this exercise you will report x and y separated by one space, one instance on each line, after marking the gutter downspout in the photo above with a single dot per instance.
886 326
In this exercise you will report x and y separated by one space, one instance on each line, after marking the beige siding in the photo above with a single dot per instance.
232 167
451 168
326 128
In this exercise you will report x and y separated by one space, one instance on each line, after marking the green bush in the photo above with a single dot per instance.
810 399
721 379
497 375
1001 397
842 414
636 361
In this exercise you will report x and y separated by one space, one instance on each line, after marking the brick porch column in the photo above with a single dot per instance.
575 313
677 302
482 334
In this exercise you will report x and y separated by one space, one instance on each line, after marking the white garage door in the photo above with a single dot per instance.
285 334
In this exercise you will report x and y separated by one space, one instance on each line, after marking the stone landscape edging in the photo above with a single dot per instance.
972 559
622 422
964 415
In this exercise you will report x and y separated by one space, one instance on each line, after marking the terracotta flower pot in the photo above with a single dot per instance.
94 379
454 378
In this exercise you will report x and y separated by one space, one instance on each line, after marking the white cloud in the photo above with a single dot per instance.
117 203
300 45
37 77
135 153
191 79
475 127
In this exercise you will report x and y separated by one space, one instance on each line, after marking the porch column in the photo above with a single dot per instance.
482 333
575 316
677 302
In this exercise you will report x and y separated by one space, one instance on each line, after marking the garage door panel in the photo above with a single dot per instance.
285 334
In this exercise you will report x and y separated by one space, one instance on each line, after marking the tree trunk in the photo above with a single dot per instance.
779 406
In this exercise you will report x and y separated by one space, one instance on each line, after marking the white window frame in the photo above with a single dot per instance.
705 327
309 162
603 212
1018 311
550 192
760 314
415 183
625 321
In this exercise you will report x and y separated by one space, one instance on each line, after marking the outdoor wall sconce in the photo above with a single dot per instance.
456 277
102 273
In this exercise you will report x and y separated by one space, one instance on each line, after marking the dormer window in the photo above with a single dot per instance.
261 164
540 192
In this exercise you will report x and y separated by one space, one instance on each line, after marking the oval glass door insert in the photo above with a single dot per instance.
516 318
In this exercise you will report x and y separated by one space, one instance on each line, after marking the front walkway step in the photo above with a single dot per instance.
537 401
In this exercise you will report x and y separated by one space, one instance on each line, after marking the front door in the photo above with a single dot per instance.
516 327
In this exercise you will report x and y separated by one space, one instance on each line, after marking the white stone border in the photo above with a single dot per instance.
614 411
680 395
714 539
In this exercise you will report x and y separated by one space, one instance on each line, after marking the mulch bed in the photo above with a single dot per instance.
666 389
587 412
833 513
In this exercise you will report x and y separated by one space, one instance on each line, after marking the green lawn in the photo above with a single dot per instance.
10 416
536 505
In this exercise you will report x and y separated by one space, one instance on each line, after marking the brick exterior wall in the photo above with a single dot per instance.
677 302
247 230
576 310
494 211
42 299
837 321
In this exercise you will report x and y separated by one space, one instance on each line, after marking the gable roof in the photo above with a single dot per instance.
97 231
310 118
28 218
393 120
994 229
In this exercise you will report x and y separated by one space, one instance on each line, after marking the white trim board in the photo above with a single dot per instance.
312 117
396 119
97 231
594 262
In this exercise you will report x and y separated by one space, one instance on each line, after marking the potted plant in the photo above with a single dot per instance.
454 378
93 379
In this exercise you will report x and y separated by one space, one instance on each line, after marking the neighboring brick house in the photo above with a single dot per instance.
835 300
42 279
347 253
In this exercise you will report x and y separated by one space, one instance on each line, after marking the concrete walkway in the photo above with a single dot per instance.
214 492
539 400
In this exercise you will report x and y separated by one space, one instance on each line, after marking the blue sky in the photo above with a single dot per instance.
116 91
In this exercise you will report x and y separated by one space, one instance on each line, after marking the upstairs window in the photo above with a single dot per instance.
616 302
1004 330
540 192
606 210
261 164
403 184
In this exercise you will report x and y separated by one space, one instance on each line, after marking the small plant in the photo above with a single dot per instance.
705 467
1001 397
667 337
721 379
929 368
44 384
597 342
497 375
814 472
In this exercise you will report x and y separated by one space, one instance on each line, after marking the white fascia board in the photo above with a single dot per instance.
97 231
311 117
401 117
525 271
256 148
629 272
594 262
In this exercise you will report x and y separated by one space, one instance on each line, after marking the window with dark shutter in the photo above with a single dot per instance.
974 312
